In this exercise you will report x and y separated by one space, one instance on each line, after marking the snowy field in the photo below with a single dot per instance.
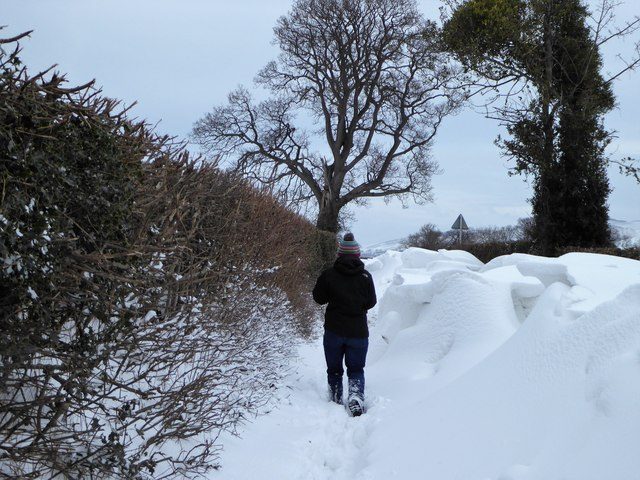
628 231
524 368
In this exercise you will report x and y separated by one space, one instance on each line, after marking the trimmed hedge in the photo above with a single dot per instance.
633 253
138 288
488 251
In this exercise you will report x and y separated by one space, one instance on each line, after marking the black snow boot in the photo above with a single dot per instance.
356 407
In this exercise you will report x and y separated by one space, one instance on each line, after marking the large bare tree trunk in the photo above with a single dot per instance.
328 215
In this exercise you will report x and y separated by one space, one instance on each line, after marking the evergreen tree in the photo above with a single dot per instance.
571 187
545 51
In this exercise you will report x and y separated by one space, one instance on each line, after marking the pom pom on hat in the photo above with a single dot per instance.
348 246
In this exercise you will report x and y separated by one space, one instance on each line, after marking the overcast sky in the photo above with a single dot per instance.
179 58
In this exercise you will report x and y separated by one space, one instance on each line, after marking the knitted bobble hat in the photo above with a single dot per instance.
348 246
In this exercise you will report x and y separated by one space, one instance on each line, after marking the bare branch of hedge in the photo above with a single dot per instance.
147 301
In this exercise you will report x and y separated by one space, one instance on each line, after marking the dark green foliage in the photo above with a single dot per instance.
571 192
545 51
481 28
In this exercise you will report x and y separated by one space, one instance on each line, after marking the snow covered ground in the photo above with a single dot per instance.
628 231
526 368
376 249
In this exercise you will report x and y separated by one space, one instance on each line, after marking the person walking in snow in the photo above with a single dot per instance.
347 289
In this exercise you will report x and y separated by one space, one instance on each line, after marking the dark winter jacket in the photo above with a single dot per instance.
348 289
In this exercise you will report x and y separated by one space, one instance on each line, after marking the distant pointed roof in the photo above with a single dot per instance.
459 224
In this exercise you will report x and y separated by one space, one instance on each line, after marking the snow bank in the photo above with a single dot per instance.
443 316
526 368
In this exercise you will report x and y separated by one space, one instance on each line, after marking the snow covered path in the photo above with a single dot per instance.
526 368
306 437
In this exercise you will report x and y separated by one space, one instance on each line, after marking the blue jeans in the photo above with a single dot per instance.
354 353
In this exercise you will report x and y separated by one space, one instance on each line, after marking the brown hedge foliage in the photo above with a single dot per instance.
146 298
487 251
272 239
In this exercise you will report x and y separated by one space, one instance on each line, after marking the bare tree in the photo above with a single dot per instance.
428 237
372 76
628 166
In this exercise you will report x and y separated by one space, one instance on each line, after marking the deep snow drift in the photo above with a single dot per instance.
524 368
